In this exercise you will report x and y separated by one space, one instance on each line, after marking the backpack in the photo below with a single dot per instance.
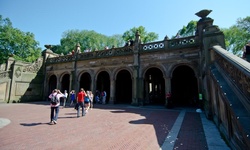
54 100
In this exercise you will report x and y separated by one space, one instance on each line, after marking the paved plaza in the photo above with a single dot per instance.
106 127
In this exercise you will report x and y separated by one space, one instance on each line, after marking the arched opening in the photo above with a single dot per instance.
184 87
52 83
123 86
103 83
85 81
154 87
65 83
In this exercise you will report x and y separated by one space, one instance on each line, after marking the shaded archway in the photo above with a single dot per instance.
103 83
52 83
65 82
154 87
85 81
184 86
123 86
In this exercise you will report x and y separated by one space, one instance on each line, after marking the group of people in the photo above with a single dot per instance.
100 97
83 100
246 51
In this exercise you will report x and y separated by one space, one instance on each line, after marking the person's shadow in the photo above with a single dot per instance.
33 124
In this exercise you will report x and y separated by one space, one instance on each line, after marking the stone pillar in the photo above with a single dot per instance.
134 87
167 89
93 84
137 81
112 91
146 91
16 75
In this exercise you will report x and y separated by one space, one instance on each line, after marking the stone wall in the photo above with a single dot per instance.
21 81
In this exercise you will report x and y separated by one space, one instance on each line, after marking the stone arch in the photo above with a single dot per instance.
65 81
123 86
52 83
122 68
184 85
103 82
160 67
84 80
154 85
174 66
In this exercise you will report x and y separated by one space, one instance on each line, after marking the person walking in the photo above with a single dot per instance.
104 95
91 98
65 98
80 101
72 97
87 102
55 104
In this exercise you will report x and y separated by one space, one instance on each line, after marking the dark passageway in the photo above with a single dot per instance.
184 87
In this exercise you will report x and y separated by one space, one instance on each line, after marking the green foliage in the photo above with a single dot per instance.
237 35
145 36
88 40
91 40
17 43
188 30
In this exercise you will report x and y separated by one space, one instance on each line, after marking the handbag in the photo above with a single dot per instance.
76 106
86 99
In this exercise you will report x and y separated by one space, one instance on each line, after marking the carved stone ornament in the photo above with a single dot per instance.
18 72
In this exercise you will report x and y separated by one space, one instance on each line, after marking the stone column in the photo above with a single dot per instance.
112 91
58 83
167 89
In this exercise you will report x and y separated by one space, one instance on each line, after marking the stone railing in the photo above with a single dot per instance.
182 42
232 96
34 67
90 55
149 47
59 59
169 44
235 67
152 46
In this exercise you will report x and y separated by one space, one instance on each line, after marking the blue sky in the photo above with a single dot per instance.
48 19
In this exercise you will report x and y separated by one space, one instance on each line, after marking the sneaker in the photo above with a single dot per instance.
54 122
51 122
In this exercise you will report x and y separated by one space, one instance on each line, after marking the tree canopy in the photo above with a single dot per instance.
91 40
188 30
14 42
144 35
237 35
88 40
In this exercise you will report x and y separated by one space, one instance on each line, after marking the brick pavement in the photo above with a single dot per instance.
106 127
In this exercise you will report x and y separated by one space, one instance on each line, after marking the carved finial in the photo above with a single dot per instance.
48 46
78 49
203 13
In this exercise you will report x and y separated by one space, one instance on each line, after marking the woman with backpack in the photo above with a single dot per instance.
55 104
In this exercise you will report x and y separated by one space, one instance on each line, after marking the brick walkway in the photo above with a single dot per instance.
106 127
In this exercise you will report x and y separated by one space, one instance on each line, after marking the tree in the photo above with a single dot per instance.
145 36
188 30
21 45
88 40
237 35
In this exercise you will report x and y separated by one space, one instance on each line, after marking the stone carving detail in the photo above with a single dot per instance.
95 54
33 68
18 72
182 42
4 74
59 59
239 78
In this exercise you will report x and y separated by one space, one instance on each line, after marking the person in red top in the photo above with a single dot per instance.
80 102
